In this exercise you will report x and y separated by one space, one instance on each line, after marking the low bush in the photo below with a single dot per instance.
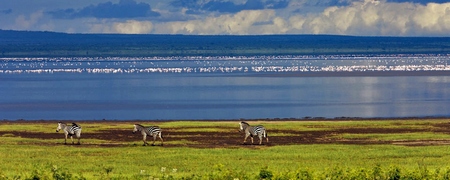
220 172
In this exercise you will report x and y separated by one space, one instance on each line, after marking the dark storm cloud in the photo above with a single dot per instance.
6 11
420 1
195 6
327 3
124 9
222 7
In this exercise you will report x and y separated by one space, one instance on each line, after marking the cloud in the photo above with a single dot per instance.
123 9
377 18
195 6
133 27
244 22
24 22
6 11
321 3
423 2
343 17
127 27
233 8
368 18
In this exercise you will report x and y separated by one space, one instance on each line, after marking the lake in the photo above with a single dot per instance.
203 88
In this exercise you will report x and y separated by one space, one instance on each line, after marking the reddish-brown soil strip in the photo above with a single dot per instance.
233 139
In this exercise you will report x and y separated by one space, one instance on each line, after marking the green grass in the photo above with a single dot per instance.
38 127
131 161
396 136
22 158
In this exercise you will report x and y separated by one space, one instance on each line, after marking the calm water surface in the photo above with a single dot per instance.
128 96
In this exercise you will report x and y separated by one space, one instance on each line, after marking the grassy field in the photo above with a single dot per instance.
358 149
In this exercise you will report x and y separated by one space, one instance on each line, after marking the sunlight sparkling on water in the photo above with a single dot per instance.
222 87
223 64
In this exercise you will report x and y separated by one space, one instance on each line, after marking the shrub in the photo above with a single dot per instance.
393 173
304 175
265 174
58 175
221 172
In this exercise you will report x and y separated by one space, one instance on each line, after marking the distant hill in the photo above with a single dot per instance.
52 44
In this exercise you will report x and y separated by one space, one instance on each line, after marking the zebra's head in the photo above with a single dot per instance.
242 126
135 128
59 127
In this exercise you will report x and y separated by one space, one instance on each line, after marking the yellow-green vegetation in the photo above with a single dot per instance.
96 158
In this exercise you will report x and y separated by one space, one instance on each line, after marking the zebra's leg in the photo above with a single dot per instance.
260 139
65 138
154 139
71 138
144 138
78 137
245 139
160 137
251 137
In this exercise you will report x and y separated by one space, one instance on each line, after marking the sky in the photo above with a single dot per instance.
230 17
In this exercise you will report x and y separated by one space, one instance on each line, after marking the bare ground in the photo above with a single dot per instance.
234 139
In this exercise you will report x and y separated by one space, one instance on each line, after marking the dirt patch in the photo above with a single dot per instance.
233 139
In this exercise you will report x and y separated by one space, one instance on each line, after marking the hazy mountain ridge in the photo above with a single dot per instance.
53 44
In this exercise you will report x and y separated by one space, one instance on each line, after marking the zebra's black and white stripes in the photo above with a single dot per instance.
251 131
75 129
154 131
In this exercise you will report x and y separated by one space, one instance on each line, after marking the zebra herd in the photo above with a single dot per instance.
156 131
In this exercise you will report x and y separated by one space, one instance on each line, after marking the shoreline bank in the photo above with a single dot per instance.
219 120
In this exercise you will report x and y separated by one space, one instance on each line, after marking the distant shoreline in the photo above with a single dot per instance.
51 44
237 120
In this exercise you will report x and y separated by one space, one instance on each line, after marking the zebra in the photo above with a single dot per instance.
75 129
149 131
253 131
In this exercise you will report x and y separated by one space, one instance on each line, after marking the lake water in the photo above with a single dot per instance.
223 88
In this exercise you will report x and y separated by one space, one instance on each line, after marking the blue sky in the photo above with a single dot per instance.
237 17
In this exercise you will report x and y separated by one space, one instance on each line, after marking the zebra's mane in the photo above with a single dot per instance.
139 125
75 124
62 123
245 123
